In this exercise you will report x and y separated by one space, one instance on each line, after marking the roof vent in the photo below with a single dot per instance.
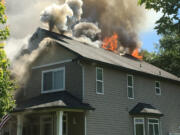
140 65
159 72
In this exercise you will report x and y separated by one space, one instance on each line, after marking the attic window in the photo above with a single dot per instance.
157 88
53 80
99 81
130 88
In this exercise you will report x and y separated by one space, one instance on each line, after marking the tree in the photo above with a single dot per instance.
170 20
168 55
7 85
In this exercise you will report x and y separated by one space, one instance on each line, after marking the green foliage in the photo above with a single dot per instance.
170 20
168 55
6 84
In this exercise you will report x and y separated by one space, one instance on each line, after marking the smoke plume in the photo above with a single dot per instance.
87 29
56 15
124 17
121 16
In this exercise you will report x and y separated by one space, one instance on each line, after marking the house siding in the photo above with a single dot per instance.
73 73
111 115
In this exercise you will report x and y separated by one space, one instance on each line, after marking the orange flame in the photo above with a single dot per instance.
111 43
135 54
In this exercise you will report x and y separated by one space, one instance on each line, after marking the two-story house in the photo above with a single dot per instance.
78 89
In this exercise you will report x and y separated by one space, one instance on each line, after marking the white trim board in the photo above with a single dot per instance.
51 64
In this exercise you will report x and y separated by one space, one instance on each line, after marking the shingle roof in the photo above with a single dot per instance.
52 100
145 109
102 55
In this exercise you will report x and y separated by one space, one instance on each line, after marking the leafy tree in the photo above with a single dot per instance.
170 20
168 55
6 84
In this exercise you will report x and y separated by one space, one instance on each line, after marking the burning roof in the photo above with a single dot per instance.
87 52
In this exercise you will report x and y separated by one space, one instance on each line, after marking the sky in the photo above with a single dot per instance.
149 36
149 39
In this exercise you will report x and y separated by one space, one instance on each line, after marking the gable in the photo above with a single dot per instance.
53 54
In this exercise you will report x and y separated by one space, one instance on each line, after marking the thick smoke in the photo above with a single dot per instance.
124 17
87 29
56 15
22 64
121 16
62 16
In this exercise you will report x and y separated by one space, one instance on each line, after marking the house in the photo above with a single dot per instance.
78 89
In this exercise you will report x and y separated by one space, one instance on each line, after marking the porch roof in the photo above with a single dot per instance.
61 99
145 110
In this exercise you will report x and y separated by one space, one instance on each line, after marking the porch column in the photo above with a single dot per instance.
19 124
59 122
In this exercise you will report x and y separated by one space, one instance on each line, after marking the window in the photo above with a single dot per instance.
53 80
157 88
153 127
139 128
99 81
130 89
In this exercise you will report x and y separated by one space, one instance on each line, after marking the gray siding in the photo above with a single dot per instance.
73 73
111 115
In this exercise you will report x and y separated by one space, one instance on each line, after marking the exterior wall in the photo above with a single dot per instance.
55 54
111 115
75 123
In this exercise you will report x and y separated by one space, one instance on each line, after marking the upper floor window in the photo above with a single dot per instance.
53 80
153 126
99 81
157 88
139 127
130 89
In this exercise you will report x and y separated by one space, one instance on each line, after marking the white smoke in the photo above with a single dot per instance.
62 16
56 15
20 66
67 17
86 29
14 47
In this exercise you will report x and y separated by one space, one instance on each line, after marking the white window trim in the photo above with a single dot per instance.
99 93
153 124
52 64
158 94
130 86
42 80
139 123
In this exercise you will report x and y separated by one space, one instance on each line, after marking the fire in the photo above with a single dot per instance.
135 54
111 43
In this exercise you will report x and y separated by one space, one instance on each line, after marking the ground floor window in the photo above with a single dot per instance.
153 126
139 126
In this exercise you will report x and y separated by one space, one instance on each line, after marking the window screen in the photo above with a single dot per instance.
99 81
53 80
130 89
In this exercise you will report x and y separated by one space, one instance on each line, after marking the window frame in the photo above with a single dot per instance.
135 118
158 94
130 86
102 81
153 125
52 70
